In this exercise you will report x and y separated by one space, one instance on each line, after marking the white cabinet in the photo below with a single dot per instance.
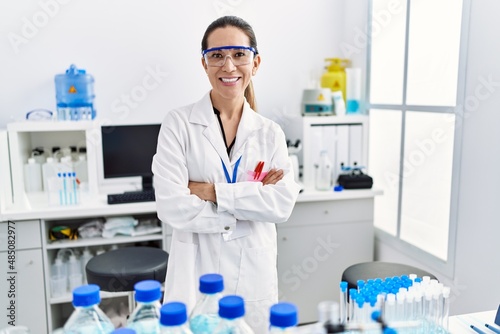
5 183
22 284
59 306
319 241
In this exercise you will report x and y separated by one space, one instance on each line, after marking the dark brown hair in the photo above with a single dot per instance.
234 21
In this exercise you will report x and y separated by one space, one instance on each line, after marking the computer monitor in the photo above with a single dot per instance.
128 150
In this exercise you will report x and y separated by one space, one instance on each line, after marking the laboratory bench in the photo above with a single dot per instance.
327 232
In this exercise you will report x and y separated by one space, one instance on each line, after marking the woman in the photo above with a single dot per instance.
223 178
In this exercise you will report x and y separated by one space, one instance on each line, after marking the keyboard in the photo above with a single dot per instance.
132 197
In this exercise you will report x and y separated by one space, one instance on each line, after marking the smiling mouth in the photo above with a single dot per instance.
229 80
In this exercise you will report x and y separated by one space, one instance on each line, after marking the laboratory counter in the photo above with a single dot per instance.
93 206
334 230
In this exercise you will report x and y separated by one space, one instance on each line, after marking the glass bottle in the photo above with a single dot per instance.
232 312
283 318
87 317
146 317
204 317
173 319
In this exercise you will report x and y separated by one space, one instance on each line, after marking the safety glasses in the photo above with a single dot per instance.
240 55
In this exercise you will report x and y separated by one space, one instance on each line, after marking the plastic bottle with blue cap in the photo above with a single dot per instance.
173 319
232 312
88 318
75 95
145 319
204 318
283 318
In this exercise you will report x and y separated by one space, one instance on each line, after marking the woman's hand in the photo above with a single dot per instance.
273 176
205 191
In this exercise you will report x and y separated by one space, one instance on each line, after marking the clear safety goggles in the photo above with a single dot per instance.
240 55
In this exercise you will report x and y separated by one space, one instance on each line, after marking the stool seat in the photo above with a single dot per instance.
120 269
377 269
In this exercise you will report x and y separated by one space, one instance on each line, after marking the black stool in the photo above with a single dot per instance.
120 269
377 269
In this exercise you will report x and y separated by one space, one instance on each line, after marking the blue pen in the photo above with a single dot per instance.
493 329
477 330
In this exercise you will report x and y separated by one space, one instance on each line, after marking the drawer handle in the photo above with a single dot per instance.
326 212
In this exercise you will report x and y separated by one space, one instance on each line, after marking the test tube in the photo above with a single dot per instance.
400 306
410 301
427 310
445 311
361 284
359 310
390 307
352 299
74 188
418 306
60 188
436 309
343 302
65 188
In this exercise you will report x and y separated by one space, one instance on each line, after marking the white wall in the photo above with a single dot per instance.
477 267
122 42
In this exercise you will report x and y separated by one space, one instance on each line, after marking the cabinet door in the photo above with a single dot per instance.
26 233
320 240
26 295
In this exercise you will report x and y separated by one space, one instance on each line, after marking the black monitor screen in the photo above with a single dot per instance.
128 150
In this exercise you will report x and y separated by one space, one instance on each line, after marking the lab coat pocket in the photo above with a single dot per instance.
258 274
252 177
182 273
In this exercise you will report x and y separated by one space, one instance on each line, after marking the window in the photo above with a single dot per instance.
415 88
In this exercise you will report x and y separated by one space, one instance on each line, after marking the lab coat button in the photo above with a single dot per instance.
227 228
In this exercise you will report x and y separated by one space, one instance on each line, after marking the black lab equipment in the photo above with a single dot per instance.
355 179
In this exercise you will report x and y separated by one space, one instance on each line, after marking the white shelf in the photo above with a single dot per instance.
309 195
91 206
102 241
346 119
42 126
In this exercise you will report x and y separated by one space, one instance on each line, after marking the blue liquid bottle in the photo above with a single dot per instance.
75 95
146 317
232 312
283 318
87 318
173 319
204 317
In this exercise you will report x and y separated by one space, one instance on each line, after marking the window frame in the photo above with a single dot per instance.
445 267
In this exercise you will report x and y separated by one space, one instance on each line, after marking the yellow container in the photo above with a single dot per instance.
334 77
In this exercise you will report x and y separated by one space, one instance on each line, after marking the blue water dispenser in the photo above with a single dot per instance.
75 95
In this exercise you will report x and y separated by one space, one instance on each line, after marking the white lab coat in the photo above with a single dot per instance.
235 237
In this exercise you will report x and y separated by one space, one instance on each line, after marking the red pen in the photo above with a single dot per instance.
258 170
